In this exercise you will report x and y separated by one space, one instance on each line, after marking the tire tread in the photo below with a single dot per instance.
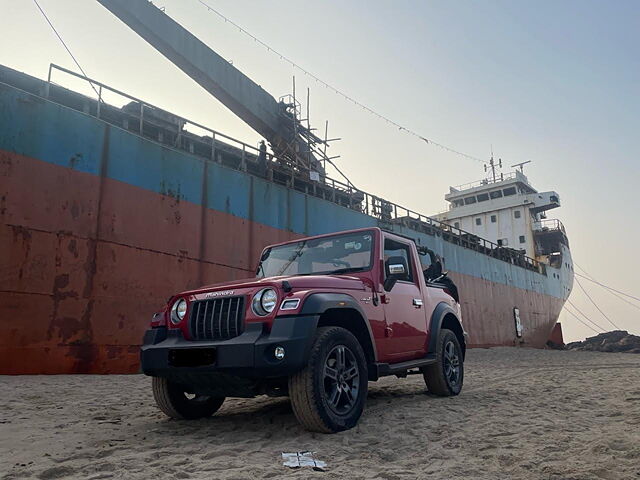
164 394
304 401
163 400
434 374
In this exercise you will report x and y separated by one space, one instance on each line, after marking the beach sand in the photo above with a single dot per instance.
523 414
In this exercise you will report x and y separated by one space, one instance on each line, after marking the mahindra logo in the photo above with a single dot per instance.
219 294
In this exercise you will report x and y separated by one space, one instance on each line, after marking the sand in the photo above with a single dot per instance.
523 414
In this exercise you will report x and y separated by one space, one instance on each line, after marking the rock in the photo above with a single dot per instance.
614 341
555 346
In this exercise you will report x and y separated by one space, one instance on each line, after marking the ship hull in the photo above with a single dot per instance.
98 226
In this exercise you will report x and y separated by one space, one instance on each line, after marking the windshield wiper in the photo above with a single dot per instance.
346 270
295 255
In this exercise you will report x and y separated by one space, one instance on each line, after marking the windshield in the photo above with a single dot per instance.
345 253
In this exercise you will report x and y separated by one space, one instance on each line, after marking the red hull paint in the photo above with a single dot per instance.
479 316
87 260
556 336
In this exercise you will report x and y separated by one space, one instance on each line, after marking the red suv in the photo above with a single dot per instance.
324 316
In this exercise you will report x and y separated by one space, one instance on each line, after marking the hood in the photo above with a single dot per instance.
300 282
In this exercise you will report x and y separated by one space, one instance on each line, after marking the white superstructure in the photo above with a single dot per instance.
508 211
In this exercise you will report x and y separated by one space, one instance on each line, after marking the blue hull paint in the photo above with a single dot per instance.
37 128
65 137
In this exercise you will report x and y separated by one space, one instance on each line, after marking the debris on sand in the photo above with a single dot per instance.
615 341
303 459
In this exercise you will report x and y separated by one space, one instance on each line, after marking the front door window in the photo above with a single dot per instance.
404 314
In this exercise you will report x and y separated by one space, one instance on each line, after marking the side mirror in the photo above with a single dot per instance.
390 282
397 269
395 272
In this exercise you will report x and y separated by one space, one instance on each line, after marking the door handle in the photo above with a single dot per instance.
417 302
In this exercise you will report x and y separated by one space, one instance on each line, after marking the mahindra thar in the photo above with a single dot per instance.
324 316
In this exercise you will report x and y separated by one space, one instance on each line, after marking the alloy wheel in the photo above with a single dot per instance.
341 379
451 363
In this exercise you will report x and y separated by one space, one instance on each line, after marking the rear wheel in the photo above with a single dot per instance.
329 394
445 377
176 402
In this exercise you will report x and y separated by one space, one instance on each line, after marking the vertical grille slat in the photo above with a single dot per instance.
216 332
223 303
229 316
235 318
203 323
210 320
238 317
217 319
197 314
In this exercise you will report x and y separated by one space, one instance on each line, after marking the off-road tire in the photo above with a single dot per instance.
435 375
307 388
173 402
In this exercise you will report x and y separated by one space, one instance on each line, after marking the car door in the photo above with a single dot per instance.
405 318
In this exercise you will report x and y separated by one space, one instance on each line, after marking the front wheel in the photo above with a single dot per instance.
176 402
445 377
329 394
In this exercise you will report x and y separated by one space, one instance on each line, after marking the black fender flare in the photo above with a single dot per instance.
442 309
318 303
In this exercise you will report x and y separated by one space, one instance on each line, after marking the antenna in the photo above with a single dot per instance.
521 165
492 166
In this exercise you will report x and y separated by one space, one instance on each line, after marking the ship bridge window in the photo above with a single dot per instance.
483 197
517 214
458 203
496 194
469 200
553 198
509 191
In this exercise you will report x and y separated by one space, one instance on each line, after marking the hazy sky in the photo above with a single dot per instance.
554 82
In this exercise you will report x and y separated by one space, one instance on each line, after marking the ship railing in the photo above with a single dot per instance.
549 225
394 214
143 118
150 121
488 181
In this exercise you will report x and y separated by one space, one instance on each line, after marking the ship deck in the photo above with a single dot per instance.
173 131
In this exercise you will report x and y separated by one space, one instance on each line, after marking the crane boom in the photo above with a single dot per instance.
248 100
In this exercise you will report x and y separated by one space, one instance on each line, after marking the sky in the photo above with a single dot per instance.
557 83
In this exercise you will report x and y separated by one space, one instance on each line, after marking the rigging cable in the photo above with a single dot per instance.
613 291
64 44
337 91
586 318
577 318
596 305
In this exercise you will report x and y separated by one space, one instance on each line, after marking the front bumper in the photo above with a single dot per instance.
166 353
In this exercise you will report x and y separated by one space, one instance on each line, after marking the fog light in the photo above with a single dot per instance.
279 353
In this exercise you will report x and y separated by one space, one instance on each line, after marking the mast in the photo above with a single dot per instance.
290 140
491 166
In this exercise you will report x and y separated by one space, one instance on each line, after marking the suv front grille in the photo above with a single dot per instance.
217 319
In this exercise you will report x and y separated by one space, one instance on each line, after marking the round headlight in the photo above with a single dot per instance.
264 302
269 300
178 311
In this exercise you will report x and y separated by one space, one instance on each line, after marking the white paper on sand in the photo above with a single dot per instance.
302 459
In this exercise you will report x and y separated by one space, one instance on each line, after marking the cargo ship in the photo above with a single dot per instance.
106 210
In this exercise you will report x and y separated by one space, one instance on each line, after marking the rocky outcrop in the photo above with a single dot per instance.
615 341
